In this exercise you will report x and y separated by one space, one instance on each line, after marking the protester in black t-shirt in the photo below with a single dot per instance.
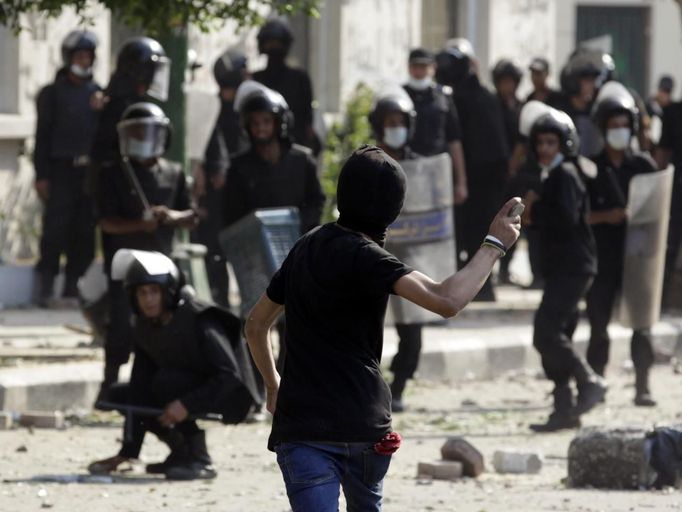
332 416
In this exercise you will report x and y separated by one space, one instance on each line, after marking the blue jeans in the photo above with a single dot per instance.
314 472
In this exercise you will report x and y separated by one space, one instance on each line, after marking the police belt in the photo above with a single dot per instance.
75 161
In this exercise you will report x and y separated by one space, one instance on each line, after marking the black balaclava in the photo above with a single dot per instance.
371 192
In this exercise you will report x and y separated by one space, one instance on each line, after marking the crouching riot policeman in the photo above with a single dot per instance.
569 264
142 199
190 363
67 118
616 115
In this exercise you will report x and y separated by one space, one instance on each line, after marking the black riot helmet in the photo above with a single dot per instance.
142 60
78 40
386 104
558 122
453 64
582 63
137 268
144 131
278 30
614 99
255 97
506 67
229 69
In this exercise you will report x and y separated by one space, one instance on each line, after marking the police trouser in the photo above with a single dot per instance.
406 360
600 301
206 233
555 323
155 390
486 185
68 224
118 342
534 252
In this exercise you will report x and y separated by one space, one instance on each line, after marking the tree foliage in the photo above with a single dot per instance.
344 137
160 16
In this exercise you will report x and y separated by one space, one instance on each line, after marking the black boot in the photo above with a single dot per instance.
591 387
643 396
397 388
179 453
198 466
563 416
44 289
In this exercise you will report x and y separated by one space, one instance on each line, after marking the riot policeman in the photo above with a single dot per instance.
190 360
142 199
657 104
274 40
67 118
274 171
539 72
616 115
569 263
227 139
393 120
437 128
485 149
142 70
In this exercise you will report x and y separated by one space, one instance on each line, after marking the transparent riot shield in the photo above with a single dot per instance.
645 243
423 235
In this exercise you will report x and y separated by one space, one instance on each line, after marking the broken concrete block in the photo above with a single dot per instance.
42 419
6 420
608 459
440 470
459 449
514 461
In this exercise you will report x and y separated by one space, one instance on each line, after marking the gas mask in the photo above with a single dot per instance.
395 137
618 138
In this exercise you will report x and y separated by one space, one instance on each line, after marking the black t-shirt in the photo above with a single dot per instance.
567 244
163 184
610 189
437 120
334 285
671 134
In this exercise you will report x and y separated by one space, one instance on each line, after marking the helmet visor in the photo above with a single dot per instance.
143 138
158 89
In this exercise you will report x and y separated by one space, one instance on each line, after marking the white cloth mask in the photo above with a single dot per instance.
545 169
420 84
618 138
141 149
80 71
396 137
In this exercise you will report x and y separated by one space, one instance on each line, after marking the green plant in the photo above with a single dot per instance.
344 136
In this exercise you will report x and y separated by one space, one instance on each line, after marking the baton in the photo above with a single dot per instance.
138 188
152 411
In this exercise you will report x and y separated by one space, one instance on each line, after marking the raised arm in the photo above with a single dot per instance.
450 296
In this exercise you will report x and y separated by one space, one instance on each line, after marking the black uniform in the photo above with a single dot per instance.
163 184
554 98
671 140
610 190
66 123
486 153
198 358
569 262
437 120
254 183
591 140
295 86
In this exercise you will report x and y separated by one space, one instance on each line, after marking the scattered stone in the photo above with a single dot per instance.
460 450
22 449
42 419
514 461
439 470
6 420
609 459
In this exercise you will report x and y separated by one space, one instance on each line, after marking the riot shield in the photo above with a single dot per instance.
256 246
423 235
645 243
